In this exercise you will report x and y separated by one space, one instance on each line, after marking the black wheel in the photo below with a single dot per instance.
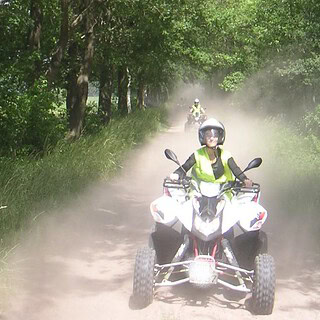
264 283
248 245
143 277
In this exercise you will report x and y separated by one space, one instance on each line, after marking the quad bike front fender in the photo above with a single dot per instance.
164 210
252 216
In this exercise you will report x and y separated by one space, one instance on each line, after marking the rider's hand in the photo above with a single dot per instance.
248 183
174 176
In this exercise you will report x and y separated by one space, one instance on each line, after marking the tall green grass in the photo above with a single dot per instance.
293 161
293 150
29 186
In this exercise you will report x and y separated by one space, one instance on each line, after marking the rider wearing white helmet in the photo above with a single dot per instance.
196 107
211 163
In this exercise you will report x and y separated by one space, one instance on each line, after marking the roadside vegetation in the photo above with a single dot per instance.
292 157
56 55
32 186
295 156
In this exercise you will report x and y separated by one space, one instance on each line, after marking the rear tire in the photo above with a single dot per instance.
143 278
264 282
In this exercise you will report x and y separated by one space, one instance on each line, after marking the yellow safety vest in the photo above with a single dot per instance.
202 169
195 108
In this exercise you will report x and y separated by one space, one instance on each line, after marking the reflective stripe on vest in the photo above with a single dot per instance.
202 169
196 108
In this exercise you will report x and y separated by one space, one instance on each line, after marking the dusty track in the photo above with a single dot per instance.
78 264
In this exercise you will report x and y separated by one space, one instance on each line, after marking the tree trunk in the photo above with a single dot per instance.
141 90
63 41
129 91
78 89
71 92
105 94
35 33
78 96
122 90
34 37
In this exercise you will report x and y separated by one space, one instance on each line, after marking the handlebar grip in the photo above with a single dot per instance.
181 183
241 188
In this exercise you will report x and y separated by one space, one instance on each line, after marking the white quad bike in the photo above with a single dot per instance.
194 121
193 242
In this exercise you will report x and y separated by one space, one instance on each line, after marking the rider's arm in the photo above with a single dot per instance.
236 170
186 166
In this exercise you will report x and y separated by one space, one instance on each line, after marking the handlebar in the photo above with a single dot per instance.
237 187
234 186
178 184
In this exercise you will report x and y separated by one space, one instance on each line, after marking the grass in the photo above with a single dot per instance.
296 156
292 166
29 187
32 187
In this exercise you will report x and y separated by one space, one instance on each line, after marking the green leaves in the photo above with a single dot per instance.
159 42
233 81
30 121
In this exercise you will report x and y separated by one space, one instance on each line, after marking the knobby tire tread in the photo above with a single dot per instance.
263 291
143 280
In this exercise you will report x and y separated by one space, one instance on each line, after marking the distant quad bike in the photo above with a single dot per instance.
194 121
191 242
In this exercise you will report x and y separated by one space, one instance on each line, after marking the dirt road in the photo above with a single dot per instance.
78 264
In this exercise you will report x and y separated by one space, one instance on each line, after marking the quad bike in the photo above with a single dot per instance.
193 241
194 121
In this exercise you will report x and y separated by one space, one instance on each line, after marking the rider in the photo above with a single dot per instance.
196 108
211 163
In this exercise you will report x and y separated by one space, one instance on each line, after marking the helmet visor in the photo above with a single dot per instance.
212 133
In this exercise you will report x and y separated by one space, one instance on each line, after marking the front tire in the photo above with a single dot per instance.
143 278
264 282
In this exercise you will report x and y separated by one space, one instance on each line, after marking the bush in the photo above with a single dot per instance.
31 121
32 185
311 122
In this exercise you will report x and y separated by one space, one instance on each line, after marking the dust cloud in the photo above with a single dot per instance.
79 263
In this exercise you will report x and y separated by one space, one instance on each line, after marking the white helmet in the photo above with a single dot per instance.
209 125
196 101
